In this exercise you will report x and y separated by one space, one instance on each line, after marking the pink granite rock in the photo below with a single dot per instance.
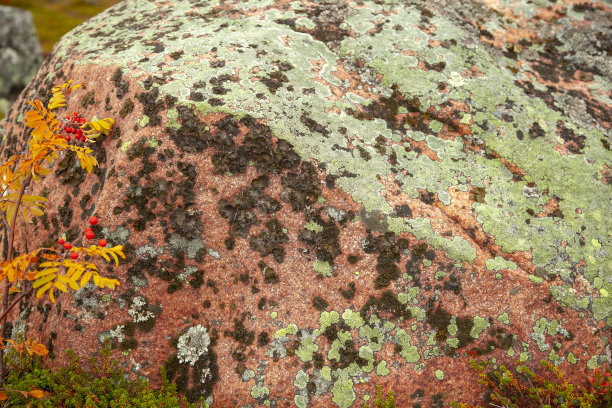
316 198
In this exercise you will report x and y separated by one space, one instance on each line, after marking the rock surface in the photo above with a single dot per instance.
316 198
20 53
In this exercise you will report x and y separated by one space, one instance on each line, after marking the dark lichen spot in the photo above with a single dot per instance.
240 333
325 242
387 302
128 107
353 259
270 241
350 292
269 273
319 303
263 339
536 131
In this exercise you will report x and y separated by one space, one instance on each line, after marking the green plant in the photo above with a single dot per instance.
72 386
527 389
58 270
389 402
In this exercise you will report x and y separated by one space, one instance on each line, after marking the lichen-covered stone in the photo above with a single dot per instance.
20 53
338 194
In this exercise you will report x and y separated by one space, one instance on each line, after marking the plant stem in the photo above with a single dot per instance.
5 309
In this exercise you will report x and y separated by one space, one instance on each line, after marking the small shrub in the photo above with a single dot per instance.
380 403
528 389
30 385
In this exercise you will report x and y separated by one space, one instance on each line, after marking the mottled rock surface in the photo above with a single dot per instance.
316 198
20 53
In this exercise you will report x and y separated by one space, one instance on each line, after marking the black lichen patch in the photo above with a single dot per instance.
121 85
403 211
68 171
389 254
440 319
325 242
536 131
274 81
387 110
270 240
186 222
301 190
573 142
269 274
128 107
240 333
313 126
319 303
453 284
350 292
87 100
151 106
192 137
387 302
348 354
204 374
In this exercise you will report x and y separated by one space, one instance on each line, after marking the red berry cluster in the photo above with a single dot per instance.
71 126
89 234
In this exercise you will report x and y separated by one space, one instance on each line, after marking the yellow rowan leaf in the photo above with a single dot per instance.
73 88
31 198
43 289
37 393
51 263
70 282
86 279
43 280
14 289
37 211
50 257
26 215
51 296
60 285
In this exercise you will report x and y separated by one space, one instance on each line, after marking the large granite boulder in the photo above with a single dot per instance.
316 198
20 53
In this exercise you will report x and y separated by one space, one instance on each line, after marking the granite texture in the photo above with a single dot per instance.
318 197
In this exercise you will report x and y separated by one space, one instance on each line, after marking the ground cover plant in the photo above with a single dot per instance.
524 388
48 269
72 386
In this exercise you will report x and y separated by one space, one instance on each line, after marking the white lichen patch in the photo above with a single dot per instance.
193 344
138 311
117 333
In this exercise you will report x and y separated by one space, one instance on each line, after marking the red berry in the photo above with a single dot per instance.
79 133
67 138
74 255
67 245
102 242
74 114
88 229
61 241
93 220
90 235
